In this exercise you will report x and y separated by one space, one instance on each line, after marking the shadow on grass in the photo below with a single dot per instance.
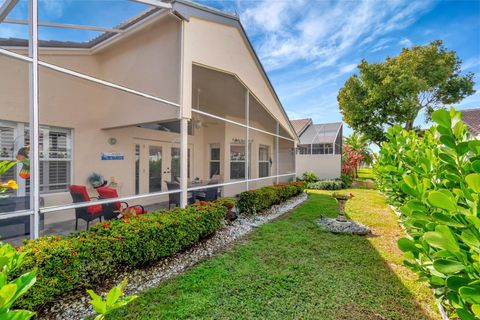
289 269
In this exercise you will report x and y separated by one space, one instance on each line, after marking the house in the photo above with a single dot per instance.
319 149
471 117
170 103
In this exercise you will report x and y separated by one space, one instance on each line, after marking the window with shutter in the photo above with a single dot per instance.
55 149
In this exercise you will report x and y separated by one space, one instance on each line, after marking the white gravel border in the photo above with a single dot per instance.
74 306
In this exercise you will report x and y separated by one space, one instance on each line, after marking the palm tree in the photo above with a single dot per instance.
361 145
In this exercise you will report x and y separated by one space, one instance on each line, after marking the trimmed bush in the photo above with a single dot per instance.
254 201
434 179
82 260
326 185
346 180
309 177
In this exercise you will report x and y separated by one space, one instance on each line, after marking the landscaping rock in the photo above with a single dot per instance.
349 226
75 305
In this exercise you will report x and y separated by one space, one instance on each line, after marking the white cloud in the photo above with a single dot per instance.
405 42
348 68
289 31
471 63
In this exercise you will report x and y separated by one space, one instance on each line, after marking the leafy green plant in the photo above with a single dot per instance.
10 291
309 177
78 261
113 300
228 203
346 180
435 182
255 201
326 185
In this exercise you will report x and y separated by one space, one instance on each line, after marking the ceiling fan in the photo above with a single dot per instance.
197 121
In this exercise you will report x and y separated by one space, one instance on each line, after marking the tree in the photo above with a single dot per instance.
359 144
395 91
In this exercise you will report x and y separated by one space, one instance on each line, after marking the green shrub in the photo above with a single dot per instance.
258 200
309 177
326 185
435 182
346 180
81 260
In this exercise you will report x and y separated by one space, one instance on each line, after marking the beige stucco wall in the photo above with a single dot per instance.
148 61
223 47
325 166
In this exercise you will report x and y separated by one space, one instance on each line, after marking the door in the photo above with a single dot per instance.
152 166
155 172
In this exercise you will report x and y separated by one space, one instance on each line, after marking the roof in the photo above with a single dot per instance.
471 117
183 9
321 133
300 125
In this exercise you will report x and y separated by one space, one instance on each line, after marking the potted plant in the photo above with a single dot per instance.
228 203
342 199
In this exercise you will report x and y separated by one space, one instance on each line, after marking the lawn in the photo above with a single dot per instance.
289 269
365 173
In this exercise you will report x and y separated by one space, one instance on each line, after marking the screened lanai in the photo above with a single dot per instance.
96 93
319 149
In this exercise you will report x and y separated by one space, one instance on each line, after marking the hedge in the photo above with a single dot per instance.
434 179
82 260
254 201
327 185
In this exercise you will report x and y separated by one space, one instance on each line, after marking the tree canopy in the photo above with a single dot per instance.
395 91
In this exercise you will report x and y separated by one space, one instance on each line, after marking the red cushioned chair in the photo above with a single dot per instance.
80 194
111 210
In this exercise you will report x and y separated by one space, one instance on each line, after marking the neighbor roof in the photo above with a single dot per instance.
471 117
300 125
321 133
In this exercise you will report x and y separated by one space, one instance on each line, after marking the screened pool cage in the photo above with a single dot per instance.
93 92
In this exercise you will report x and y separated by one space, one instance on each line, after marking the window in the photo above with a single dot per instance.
263 161
237 161
325 148
175 164
55 147
214 160
304 149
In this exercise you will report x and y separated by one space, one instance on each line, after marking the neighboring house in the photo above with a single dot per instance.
471 117
319 149
168 101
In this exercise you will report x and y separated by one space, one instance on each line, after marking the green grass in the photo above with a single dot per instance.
290 269
365 173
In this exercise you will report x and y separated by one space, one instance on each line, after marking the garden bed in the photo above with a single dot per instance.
75 305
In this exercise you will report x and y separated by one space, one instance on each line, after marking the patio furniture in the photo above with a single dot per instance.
208 194
79 194
174 198
112 210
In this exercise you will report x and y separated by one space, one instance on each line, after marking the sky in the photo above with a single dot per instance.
309 48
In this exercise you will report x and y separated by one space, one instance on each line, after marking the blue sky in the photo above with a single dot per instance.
309 48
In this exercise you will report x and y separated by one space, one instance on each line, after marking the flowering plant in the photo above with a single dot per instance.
11 184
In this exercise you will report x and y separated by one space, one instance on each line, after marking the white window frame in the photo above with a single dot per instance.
21 129
267 161
210 160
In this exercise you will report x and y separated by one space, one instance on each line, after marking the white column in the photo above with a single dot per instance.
183 162
183 125
34 119
247 136
277 152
